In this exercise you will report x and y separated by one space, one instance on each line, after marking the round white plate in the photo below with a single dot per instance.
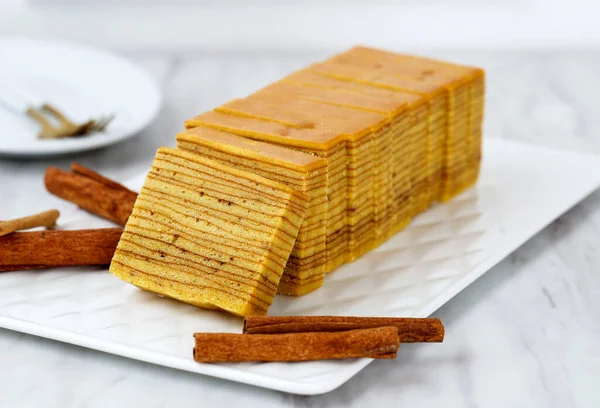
80 81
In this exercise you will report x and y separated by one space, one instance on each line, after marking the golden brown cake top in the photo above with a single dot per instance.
257 108
238 145
363 73
337 97
322 139
352 95
395 71
311 79
303 113
408 64
290 121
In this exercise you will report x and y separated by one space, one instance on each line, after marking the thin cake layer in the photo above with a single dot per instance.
402 148
301 171
208 234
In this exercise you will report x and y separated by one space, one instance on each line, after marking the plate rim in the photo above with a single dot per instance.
153 87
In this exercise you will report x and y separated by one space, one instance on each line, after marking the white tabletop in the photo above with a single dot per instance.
524 335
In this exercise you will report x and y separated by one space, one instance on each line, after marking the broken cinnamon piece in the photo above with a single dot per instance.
410 330
92 192
380 342
50 249
44 219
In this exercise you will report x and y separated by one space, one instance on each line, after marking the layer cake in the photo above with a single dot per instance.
209 234
397 133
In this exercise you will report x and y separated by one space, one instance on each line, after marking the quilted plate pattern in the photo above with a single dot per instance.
522 189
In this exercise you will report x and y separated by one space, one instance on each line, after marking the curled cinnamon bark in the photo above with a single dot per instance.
381 343
92 192
410 330
49 249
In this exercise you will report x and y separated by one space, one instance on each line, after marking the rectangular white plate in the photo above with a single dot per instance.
521 190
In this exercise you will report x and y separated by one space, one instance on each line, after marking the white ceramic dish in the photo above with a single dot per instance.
80 81
522 189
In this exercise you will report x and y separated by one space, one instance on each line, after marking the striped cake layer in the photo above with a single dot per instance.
208 234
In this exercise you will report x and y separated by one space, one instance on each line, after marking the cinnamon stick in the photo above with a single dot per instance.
92 192
410 330
77 168
44 219
49 249
381 342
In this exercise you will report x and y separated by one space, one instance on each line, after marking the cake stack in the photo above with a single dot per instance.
367 138
455 93
305 269
397 132
353 68
209 234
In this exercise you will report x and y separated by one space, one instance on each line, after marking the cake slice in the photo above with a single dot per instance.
208 234
301 171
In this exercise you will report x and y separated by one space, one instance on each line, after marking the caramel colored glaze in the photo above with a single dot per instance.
362 74
418 69
386 98
305 114
319 139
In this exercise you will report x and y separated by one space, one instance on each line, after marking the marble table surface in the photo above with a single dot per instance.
524 335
